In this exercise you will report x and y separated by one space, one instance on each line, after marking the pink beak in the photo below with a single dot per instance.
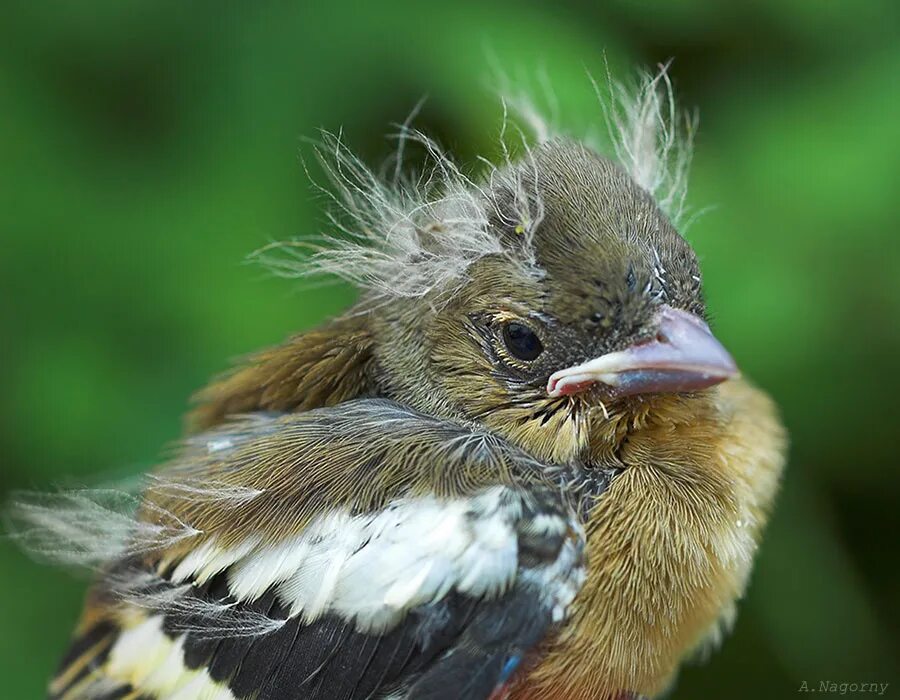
685 356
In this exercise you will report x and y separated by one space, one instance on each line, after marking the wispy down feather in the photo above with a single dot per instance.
647 134
203 618
88 527
653 141
92 528
416 235
407 236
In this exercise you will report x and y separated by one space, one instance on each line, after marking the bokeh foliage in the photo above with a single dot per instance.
147 147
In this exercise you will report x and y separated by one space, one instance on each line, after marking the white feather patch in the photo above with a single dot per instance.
253 575
148 659
373 568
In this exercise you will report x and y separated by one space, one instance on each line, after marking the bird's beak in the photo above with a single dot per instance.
684 356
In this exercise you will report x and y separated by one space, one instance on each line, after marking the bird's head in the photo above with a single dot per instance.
592 302
552 291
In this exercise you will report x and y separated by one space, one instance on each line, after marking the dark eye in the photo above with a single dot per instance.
521 341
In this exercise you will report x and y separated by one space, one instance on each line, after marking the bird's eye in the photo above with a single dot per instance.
521 341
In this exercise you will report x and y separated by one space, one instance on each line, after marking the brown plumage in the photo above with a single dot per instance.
678 527
557 384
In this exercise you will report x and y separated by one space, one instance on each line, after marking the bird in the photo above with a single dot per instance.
521 466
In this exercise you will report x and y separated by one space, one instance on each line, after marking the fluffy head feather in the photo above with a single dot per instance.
409 237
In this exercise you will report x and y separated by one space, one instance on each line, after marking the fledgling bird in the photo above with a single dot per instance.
520 467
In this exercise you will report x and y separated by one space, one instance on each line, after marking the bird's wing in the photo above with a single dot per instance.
360 551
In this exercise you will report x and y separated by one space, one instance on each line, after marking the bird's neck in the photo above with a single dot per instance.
608 431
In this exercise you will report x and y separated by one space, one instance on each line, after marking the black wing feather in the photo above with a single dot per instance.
457 647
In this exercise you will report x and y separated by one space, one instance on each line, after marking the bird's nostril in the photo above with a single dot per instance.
661 337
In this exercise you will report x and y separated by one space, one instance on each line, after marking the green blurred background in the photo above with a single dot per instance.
147 147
